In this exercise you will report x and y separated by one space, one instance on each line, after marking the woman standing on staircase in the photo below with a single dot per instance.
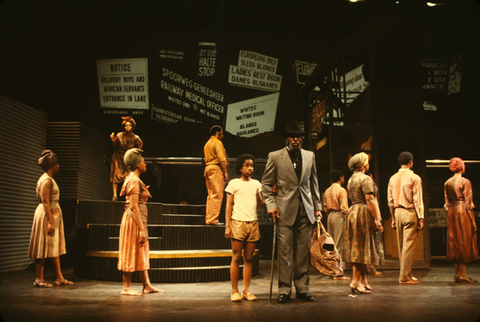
133 254
122 142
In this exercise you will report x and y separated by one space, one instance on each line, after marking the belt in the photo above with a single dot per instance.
402 207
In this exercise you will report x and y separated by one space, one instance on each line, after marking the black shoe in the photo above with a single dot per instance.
283 298
304 297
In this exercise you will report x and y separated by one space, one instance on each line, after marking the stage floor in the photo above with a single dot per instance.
437 298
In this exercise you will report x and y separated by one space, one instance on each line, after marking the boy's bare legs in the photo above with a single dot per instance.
237 247
147 287
247 266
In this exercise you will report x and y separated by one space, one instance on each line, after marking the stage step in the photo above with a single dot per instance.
103 237
165 266
173 254
107 212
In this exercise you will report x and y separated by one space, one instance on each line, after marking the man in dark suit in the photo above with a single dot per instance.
296 204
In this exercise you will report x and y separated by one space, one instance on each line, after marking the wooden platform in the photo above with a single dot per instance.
182 247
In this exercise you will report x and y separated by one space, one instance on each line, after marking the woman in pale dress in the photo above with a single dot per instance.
122 142
47 239
462 245
133 252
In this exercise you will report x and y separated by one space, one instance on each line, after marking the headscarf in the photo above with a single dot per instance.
456 165
132 158
128 119
47 160
358 161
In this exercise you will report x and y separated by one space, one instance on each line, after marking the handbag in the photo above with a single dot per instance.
324 256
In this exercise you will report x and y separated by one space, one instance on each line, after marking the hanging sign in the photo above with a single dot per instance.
251 117
123 83
255 71
304 70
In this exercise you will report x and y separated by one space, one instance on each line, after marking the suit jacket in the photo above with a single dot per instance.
279 170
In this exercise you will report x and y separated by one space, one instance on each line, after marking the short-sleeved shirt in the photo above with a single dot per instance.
336 199
358 186
214 151
244 198
133 185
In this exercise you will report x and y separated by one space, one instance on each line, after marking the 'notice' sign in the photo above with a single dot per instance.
123 83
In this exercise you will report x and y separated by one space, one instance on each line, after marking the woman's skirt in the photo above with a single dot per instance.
132 256
462 244
43 245
360 245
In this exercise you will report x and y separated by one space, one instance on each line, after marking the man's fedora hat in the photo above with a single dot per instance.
293 127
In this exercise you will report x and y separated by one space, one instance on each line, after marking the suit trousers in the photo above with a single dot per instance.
298 265
215 185
407 232
336 229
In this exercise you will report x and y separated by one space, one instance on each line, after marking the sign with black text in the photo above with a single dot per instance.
123 83
304 70
251 117
255 71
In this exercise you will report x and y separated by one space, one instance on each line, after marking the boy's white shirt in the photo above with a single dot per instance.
244 198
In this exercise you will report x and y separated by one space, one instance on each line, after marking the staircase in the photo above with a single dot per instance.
182 247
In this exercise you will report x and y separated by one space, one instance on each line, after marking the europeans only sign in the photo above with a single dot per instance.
304 70
251 117
255 71
123 83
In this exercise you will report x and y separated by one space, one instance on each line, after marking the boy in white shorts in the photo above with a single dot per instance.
241 226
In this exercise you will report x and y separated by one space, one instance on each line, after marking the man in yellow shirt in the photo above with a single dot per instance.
215 174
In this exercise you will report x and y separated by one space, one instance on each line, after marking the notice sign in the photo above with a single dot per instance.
123 83
251 117
304 70
255 71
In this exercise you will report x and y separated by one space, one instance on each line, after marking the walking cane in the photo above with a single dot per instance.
273 257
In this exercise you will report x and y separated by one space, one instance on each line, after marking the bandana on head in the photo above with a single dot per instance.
358 161
128 119
47 160
132 158
456 165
